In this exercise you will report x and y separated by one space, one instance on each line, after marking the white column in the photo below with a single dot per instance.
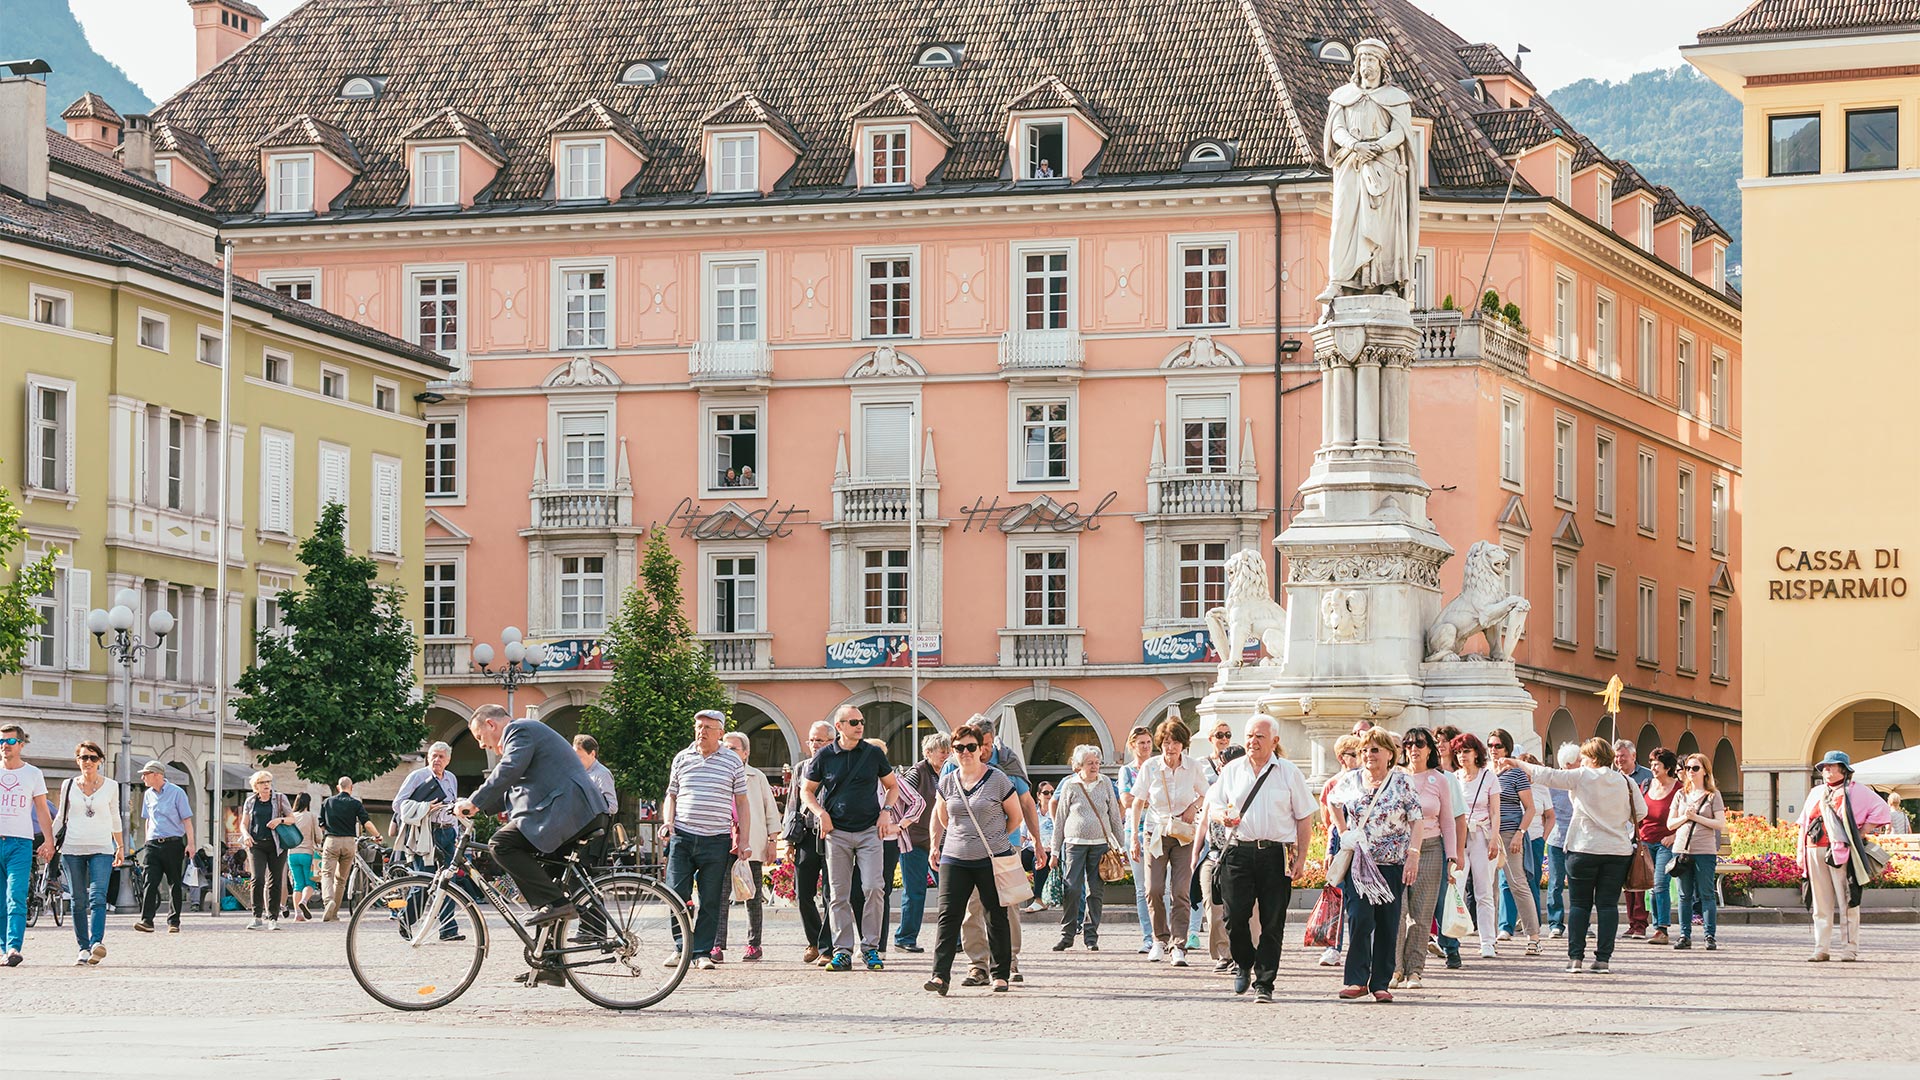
1366 411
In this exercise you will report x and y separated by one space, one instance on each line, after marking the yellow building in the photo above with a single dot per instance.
1831 195
110 338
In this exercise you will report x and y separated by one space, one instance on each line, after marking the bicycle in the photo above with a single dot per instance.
45 893
418 942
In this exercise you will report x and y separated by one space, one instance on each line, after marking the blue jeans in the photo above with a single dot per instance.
1696 885
1661 897
87 876
1140 902
705 862
1556 887
913 896
1530 856
1373 930
16 876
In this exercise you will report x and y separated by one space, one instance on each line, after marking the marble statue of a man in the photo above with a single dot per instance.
1368 143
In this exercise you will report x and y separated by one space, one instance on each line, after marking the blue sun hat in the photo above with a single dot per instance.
1836 757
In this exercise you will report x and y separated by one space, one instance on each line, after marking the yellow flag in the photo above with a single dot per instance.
1612 695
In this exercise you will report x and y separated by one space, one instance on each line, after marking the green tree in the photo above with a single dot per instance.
662 675
334 693
19 621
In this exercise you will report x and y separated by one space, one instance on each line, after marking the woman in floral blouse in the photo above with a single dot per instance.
1380 820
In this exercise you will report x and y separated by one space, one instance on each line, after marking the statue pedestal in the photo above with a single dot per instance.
1478 696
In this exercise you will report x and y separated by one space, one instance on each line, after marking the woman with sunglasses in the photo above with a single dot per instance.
1516 814
1421 759
1483 836
1381 819
91 847
974 815
1697 816
1140 743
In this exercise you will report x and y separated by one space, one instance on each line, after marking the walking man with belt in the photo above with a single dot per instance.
169 818
1263 801
342 817
842 790
705 812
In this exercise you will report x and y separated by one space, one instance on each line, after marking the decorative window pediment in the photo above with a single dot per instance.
1566 534
749 146
1722 582
1513 517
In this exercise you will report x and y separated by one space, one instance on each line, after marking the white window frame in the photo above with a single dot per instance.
1605 610
1513 441
1719 266
1023 136
1647 491
456 417
563 444
1683 507
278 488
1563 177
1020 250
885 571
285 194
735 172
1686 251
1566 473
176 463
1685 390
863 260
1202 388
1018 548
273 279
1566 303
1719 494
1177 248
1717 627
268 359
710 587
329 371
1646 225
709 458
580 578
1606 477
1717 388
710 267
1603 200
163 171
429 190
417 276
877 159
1606 333
62 306
1647 354
584 180
386 396
202 336
50 636
65 470
386 536
881 399
158 320
1018 399
1566 605
429 587
1516 549
1686 654
560 269
1423 263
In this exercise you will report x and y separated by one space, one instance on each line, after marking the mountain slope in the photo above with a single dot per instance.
1676 126
48 30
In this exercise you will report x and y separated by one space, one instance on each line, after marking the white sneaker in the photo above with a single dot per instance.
1506 935
86 958
273 924
1487 951
1157 953
257 924
1330 958
1179 956
704 963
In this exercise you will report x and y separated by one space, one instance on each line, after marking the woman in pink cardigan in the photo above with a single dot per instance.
1829 852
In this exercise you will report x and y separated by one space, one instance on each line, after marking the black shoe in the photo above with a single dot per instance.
907 948
974 978
1263 995
1224 967
562 910
1065 943
454 937
1019 978
1683 943
1092 945
938 986
1453 961
1241 980
1710 945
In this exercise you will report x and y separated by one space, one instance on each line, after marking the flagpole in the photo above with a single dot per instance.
222 478
913 575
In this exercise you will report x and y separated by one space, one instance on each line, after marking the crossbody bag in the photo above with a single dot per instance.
1253 793
1009 877
1170 824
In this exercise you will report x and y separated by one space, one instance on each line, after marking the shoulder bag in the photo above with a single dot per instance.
1170 825
1873 857
60 834
1640 868
1258 781
1113 864
1009 877
1343 859
1682 861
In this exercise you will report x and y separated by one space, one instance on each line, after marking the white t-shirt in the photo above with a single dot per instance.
17 790
87 833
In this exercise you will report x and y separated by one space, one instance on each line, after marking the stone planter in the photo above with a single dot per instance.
1889 899
1775 898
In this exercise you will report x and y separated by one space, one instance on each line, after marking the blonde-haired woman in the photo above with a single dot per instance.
1697 816
263 811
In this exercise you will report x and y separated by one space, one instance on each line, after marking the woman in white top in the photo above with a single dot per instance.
1140 746
1483 834
1607 804
1696 815
1167 797
89 811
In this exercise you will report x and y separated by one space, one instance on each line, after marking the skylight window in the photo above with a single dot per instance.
1208 153
641 73
1333 52
940 56
360 88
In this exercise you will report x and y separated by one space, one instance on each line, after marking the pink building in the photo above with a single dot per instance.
1046 259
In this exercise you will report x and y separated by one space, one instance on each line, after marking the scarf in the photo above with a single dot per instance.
1364 874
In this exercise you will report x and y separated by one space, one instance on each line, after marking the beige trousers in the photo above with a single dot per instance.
1829 887
340 853
973 936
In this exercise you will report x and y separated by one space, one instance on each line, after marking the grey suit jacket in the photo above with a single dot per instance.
542 786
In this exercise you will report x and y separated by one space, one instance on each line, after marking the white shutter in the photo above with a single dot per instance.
78 598
334 474
386 506
886 432
276 482
141 465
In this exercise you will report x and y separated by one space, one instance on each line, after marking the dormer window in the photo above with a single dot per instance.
738 167
1719 267
1333 52
1563 177
640 73
938 56
583 170
359 88
1603 201
1207 153
163 173
1044 149
436 173
1646 225
292 186
887 156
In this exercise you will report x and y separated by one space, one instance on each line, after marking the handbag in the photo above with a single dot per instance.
289 836
1873 857
1170 825
1455 920
1640 863
1342 860
1009 877
1213 881
1323 925
1113 865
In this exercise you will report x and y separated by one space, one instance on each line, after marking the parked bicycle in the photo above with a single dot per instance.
418 942
45 893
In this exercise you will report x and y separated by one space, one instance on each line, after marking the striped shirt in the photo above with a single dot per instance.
1512 783
703 787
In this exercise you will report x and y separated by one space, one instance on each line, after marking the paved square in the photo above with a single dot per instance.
283 1005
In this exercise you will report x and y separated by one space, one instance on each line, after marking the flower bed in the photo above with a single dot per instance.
1766 848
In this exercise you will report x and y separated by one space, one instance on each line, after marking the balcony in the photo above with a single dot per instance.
1042 353
443 658
719 363
1042 647
1203 493
582 508
867 502
739 652
1451 335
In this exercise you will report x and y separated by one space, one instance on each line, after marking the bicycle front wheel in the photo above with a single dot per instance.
57 902
642 942
408 959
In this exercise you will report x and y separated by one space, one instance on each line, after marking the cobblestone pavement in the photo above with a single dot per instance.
217 1000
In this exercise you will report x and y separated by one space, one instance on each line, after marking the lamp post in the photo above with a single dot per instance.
522 662
125 649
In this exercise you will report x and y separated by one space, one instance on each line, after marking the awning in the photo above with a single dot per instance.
174 774
1899 770
232 777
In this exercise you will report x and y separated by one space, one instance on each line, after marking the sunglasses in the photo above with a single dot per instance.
11 741
855 723
1496 746
89 757
965 748
1418 742
1696 768
1223 734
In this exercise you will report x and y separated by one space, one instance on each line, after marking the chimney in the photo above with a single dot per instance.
220 28
23 135
137 145
92 123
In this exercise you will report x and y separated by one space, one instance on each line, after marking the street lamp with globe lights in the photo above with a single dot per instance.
113 631
521 662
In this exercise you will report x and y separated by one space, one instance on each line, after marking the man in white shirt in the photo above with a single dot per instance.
1266 850
23 802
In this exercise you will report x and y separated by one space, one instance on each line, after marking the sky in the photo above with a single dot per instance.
152 40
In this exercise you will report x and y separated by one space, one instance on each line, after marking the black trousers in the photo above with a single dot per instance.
957 886
809 871
1594 882
521 860
269 865
1253 877
166 858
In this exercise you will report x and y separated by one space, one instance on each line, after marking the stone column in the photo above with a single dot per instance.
1367 406
1395 429
1341 393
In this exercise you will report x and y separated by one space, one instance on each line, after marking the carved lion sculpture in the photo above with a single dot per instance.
1251 614
1483 607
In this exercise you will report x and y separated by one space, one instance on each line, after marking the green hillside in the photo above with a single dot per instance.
48 30
1676 126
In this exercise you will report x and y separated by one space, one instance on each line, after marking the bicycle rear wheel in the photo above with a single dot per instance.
56 901
36 897
407 959
643 953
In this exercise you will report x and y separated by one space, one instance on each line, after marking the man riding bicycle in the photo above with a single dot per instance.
549 800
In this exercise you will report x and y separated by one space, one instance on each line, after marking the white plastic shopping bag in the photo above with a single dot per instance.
1455 920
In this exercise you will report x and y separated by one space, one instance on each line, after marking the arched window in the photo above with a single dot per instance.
1334 52
641 73
937 56
359 88
1207 153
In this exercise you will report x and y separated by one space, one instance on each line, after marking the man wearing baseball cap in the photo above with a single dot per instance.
169 818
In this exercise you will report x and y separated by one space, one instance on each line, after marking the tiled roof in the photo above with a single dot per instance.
749 108
304 130
240 6
67 156
1515 131
1629 180
66 227
91 106
1481 58
171 139
1669 204
1815 18
897 102
1704 225
451 123
1161 75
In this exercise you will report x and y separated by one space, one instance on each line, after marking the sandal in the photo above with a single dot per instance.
938 986
1533 946
999 986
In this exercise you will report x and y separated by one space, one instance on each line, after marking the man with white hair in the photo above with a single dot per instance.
1562 803
1264 802
1625 755
762 814
439 789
